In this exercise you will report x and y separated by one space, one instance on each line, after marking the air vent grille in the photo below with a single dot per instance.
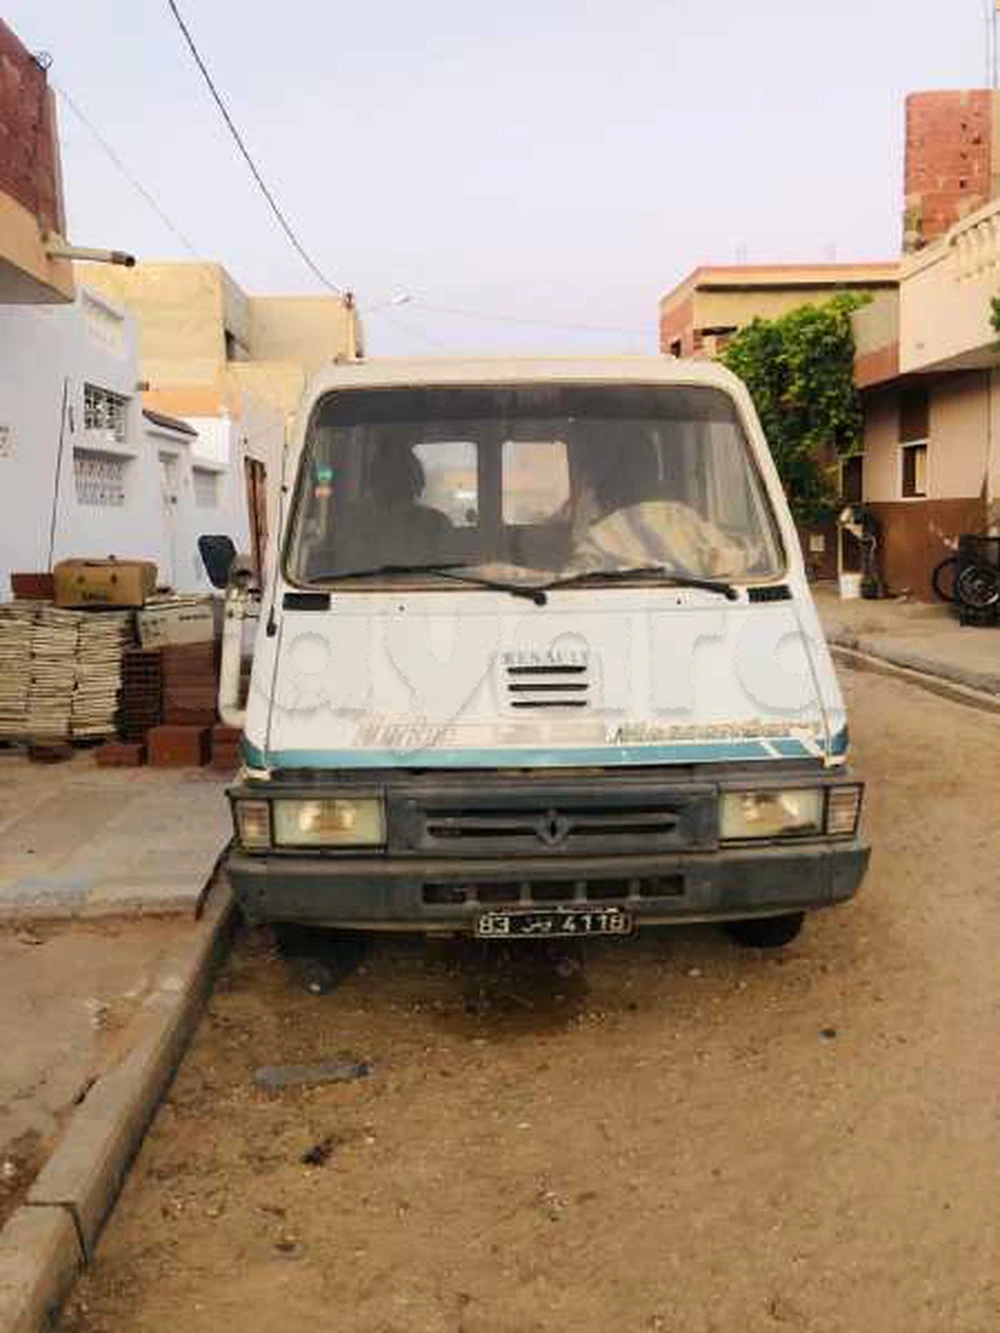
550 685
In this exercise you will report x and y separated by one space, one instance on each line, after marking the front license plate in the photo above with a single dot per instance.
553 924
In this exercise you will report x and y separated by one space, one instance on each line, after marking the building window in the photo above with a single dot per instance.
677 348
99 479
105 411
914 471
914 432
206 488
852 483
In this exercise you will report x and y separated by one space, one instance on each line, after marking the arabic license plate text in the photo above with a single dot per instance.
553 924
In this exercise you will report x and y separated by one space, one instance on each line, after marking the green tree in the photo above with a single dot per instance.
800 373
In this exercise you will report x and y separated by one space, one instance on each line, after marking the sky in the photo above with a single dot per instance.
553 166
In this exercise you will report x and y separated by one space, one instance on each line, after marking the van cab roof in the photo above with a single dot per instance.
387 372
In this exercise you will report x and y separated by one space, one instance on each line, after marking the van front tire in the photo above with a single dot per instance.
771 932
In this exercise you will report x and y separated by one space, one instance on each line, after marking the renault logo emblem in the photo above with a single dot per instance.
553 828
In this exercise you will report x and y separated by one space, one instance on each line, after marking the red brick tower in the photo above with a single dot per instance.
952 146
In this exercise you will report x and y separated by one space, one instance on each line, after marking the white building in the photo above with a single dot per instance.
85 472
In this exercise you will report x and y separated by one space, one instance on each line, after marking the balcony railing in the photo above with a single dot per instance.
945 297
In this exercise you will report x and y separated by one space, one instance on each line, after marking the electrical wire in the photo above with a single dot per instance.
492 317
117 161
238 138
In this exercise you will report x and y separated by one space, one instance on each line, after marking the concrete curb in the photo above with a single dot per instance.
983 682
39 1259
55 1233
933 683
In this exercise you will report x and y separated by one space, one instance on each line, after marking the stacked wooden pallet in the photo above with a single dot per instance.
55 638
104 637
17 620
60 671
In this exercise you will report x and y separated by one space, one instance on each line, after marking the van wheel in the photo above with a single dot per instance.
769 932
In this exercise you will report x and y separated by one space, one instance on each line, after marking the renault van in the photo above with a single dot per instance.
536 657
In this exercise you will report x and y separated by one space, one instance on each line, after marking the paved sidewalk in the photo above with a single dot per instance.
914 635
77 840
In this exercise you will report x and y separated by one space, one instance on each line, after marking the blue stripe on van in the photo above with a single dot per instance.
685 752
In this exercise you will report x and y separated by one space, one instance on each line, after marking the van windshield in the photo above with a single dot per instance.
529 483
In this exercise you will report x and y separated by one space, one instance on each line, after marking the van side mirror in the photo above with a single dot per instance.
217 553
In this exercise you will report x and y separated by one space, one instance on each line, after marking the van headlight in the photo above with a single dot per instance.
770 814
791 812
330 821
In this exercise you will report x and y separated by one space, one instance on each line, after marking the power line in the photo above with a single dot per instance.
285 224
132 180
493 317
429 340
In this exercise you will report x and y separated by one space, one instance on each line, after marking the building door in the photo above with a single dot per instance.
256 482
169 491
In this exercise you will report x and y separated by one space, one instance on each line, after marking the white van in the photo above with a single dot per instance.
537 657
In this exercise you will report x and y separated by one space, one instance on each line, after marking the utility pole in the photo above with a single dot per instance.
990 8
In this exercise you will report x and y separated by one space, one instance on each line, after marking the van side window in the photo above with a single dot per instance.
535 480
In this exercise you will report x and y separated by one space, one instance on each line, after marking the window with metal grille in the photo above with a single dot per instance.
99 478
104 410
206 488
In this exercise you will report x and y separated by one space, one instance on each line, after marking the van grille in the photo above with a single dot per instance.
557 823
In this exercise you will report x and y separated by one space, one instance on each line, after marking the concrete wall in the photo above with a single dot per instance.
881 465
959 441
308 330
47 455
180 312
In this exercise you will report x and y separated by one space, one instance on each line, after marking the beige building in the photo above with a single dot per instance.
701 313
931 464
200 330
234 365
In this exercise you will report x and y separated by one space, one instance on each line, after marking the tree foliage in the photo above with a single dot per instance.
995 315
799 369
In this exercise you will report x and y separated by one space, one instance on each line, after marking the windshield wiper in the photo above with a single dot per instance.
445 571
671 576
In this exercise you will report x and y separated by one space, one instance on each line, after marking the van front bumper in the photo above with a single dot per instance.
447 895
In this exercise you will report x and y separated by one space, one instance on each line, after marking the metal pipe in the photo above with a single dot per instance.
230 665
57 248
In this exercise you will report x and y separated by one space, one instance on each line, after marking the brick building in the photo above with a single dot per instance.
31 206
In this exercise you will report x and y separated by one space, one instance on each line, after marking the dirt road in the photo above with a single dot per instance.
669 1134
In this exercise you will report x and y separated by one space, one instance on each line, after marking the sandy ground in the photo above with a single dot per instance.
666 1134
